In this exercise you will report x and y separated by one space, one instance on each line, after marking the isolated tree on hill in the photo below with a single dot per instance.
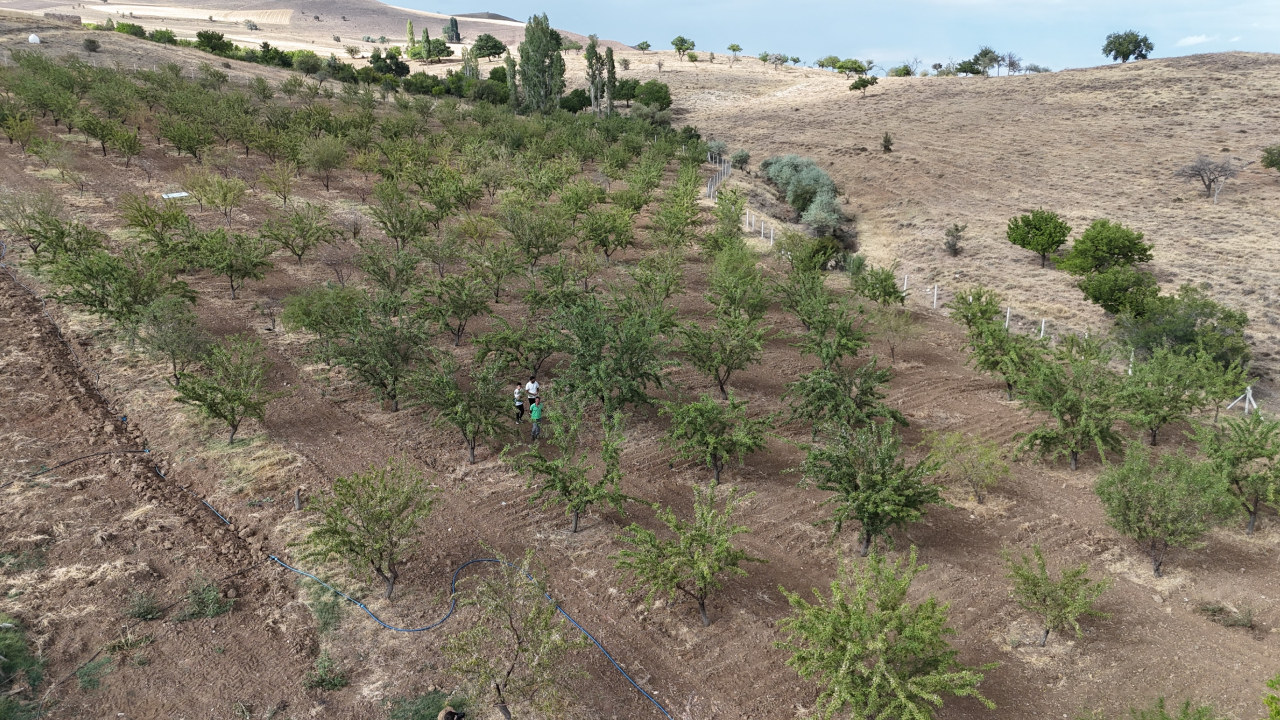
519 649
682 45
1245 451
541 65
1161 503
693 562
872 483
864 82
734 48
713 432
1271 157
371 521
563 476
1059 603
232 387
1105 245
986 59
1129 44
475 406
487 46
643 46
872 653
1077 390
1211 174
1165 388
1042 232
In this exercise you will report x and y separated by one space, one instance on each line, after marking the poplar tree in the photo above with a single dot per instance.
541 65
595 72
611 78
413 39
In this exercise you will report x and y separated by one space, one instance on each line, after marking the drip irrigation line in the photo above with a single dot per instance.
453 603
82 457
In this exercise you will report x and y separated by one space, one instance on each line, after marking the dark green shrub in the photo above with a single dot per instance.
91 45
654 93
1121 289
576 101
131 29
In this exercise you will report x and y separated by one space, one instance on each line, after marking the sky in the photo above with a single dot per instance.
1058 34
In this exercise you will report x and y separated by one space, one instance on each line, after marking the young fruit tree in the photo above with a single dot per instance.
616 352
563 477
714 432
371 520
476 406
1165 388
1105 245
1042 232
873 653
301 229
1164 503
693 562
518 650
235 256
733 343
1245 451
973 461
380 345
1077 390
837 400
169 328
524 347
453 301
232 387
1059 603
872 483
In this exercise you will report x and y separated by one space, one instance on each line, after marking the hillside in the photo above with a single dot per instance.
1094 143
80 543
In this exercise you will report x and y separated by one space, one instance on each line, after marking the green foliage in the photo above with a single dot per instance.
1271 157
975 306
675 223
454 301
714 432
954 236
1042 232
1245 452
740 159
326 674
89 676
16 660
682 45
863 82
327 605
877 284
1121 289
1124 45
371 520
1165 388
143 606
975 462
1162 503
1105 245
1077 390
427 706
203 600
324 155
235 256
476 407
1271 700
872 482
734 342
118 288
563 476
541 65
799 179
836 400
872 653
1188 322
1059 603
379 345
518 649
654 94
694 560
608 230
169 328
232 387
301 229
616 352
487 46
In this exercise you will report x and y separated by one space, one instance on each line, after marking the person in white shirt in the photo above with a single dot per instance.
519 403
531 388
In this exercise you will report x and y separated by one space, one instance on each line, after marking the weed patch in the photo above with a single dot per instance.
327 675
326 605
1225 615
203 601
425 707
90 676
143 606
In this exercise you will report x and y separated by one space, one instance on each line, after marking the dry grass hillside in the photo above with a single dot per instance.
1095 143
79 543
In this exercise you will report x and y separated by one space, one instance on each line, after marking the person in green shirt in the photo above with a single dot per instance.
535 414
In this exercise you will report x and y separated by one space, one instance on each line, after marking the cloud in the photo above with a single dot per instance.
1235 39
1194 40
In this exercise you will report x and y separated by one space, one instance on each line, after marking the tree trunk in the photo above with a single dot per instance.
574 529
1156 562
866 544
724 390
1075 460
1154 432
1044 637
1043 258
1253 518
1008 390
502 702
717 464
234 428
702 608
471 448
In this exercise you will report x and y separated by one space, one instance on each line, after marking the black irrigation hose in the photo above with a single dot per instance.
82 457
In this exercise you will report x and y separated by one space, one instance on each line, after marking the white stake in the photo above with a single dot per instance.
1042 328
935 296
904 282
1007 311
771 237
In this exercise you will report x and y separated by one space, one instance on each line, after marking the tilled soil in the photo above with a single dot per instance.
107 527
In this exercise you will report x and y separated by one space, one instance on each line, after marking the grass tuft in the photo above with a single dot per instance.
327 675
203 601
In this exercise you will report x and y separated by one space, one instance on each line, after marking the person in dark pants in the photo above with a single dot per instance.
519 403
535 415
